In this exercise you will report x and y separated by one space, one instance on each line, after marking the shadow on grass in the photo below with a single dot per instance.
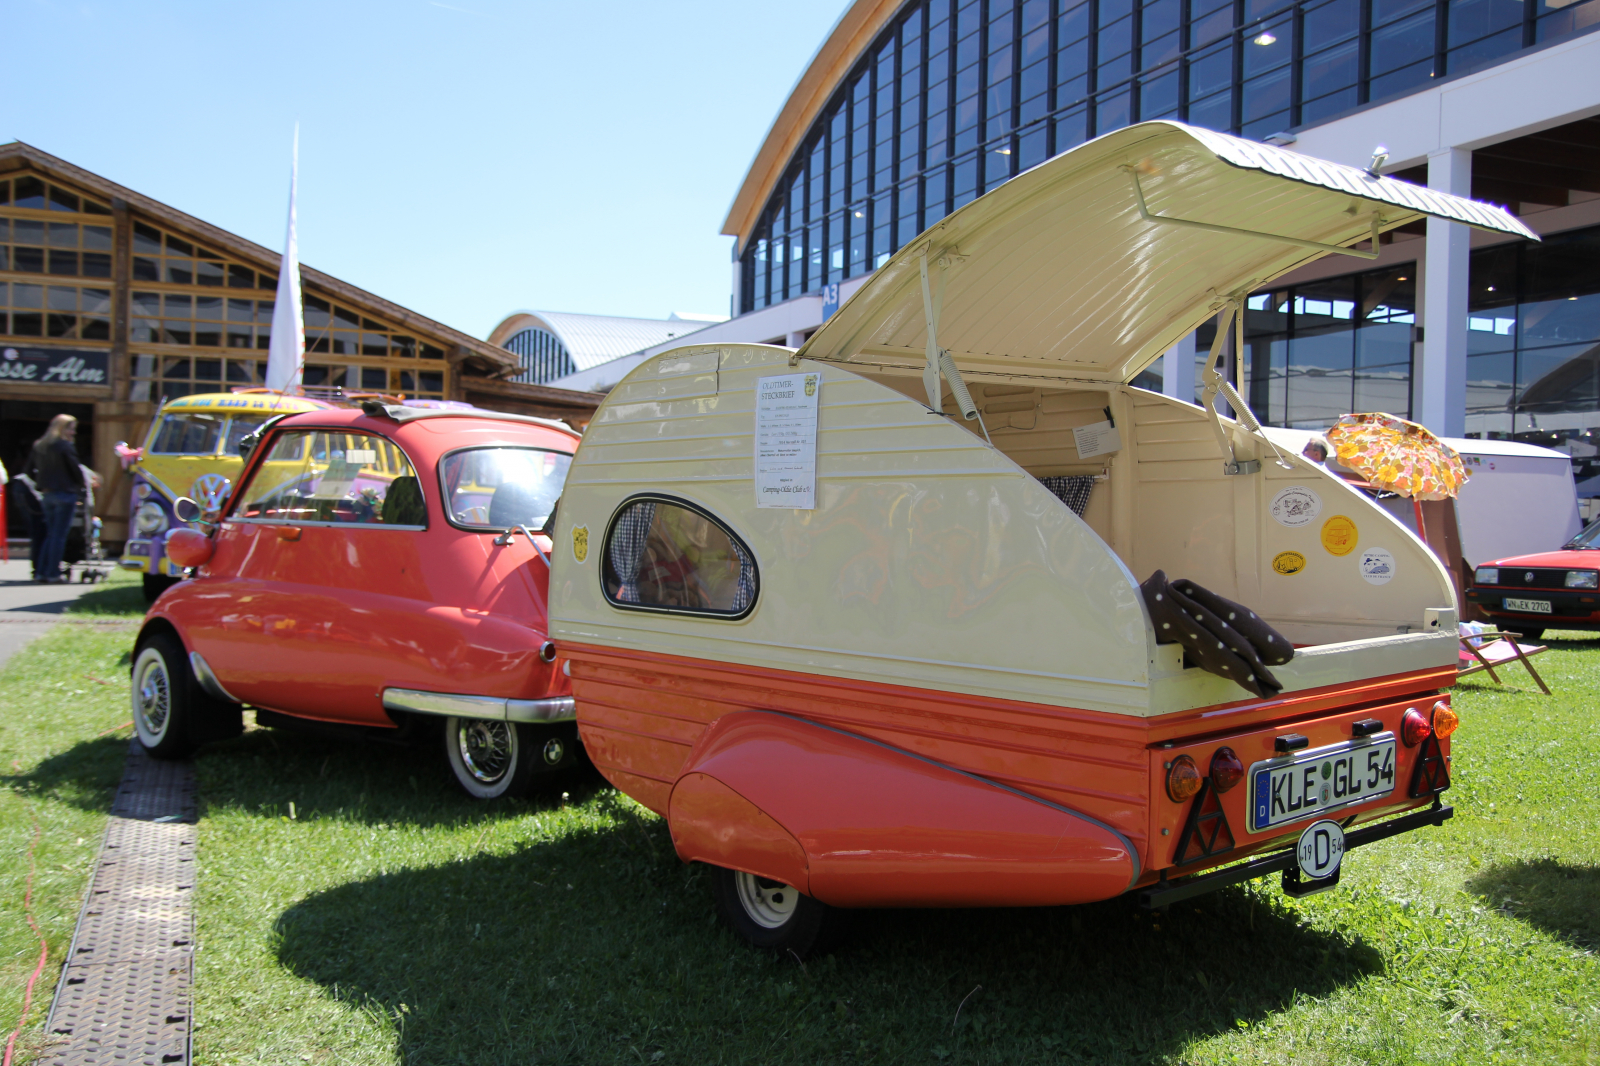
1561 899
602 947
120 600
86 775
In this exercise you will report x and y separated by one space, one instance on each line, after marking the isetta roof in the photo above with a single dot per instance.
1063 274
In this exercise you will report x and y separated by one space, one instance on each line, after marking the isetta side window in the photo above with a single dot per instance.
316 476
665 555
499 487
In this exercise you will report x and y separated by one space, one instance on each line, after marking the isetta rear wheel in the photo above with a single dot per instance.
163 698
772 915
495 760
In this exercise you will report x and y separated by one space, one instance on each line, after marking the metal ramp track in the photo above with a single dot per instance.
124 993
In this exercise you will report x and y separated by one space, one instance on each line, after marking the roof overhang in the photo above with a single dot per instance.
1060 274
845 43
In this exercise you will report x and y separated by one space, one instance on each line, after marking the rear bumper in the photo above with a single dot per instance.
1164 893
495 708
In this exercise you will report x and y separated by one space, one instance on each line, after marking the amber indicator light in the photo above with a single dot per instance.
1183 779
1444 720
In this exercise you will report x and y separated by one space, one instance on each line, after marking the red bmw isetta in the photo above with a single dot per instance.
378 572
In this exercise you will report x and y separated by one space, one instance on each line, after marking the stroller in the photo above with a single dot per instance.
83 548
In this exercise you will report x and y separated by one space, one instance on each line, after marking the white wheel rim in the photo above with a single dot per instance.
769 904
488 749
152 695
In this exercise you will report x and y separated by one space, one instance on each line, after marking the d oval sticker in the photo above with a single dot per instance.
1288 562
1295 506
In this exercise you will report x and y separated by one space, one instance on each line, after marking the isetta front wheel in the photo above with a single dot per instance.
772 915
162 698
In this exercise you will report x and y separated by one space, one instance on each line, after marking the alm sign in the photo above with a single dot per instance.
54 366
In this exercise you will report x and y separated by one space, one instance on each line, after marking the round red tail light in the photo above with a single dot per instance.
1414 728
1444 720
1226 770
1183 778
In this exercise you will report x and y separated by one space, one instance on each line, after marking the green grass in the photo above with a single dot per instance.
382 918
63 705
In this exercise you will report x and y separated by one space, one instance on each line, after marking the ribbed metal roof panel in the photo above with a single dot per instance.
596 339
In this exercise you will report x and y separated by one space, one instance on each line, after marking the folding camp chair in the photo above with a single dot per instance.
1501 648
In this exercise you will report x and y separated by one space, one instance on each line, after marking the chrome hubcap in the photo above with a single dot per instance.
768 903
487 749
154 703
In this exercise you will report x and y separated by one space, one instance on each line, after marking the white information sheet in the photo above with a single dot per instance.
1097 438
786 441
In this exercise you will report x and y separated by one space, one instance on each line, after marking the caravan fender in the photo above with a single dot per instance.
876 826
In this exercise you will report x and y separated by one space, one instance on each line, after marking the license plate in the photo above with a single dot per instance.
1311 783
1526 606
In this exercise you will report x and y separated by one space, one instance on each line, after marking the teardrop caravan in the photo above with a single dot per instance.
864 621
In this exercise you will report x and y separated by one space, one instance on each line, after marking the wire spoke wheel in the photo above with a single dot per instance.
152 696
488 749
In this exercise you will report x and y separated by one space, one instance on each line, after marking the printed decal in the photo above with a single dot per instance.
580 543
1288 562
1339 535
1296 506
1377 566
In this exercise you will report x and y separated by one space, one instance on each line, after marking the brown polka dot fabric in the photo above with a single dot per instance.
1217 634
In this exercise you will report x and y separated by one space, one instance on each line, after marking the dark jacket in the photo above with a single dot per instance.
54 466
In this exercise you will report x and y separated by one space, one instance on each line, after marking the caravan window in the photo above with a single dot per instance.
666 555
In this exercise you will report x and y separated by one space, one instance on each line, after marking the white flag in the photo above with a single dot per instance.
286 357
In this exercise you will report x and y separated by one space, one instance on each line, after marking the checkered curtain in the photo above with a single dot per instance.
627 547
1072 491
746 592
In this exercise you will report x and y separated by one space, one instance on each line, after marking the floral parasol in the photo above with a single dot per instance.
1398 456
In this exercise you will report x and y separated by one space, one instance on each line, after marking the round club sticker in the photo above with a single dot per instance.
1296 506
1339 535
580 543
1321 849
1377 566
1288 562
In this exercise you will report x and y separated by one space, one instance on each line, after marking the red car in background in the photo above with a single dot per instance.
375 572
1529 594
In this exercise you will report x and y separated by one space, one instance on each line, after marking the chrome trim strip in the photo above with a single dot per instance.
444 703
208 680
554 709
452 704
273 522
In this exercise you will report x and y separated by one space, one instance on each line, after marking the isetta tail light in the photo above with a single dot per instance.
1444 720
1414 728
1183 778
1226 769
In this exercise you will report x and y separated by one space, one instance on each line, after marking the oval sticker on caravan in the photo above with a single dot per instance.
1339 535
580 543
1288 562
1296 506
1377 566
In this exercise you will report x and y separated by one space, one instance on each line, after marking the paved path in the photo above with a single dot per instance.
27 611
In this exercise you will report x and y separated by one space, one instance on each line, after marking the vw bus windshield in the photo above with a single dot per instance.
497 488
188 433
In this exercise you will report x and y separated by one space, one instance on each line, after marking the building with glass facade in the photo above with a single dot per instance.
911 109
111 302
569 349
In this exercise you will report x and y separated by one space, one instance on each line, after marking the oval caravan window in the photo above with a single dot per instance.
666 555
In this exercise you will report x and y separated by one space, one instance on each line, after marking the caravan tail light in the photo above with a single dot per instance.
1414 728
1444 720
1226 769
1183 778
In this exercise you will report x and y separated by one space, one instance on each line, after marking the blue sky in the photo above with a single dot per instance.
465 158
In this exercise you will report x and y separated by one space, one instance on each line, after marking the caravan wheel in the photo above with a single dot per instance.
772 915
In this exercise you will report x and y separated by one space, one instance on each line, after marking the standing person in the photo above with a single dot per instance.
56 471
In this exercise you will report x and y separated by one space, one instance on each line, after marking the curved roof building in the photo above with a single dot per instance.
552 345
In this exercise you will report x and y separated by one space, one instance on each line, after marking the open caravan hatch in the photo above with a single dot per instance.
940 552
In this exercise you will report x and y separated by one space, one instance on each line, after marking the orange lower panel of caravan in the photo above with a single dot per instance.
880 828
644 719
